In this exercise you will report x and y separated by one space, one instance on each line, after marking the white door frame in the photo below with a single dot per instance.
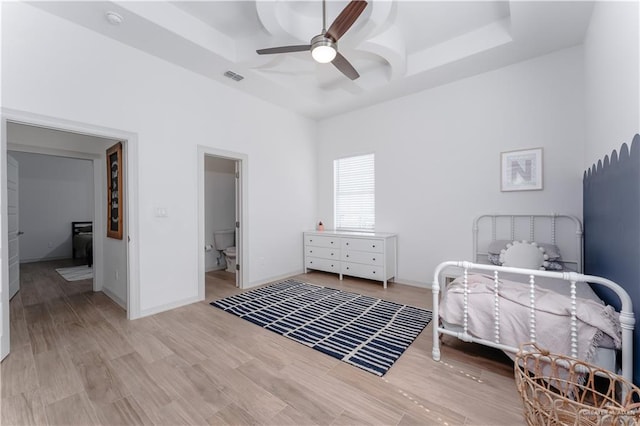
130 148
243 247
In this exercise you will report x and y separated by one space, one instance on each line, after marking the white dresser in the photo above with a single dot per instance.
371 255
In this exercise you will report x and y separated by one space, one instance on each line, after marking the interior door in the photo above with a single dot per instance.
237 228
13 265
12 226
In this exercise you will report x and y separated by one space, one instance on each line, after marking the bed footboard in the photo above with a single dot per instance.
626 316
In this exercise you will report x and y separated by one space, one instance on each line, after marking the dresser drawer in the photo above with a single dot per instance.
363 271
360 244
321 241
323 252
367 258
327 265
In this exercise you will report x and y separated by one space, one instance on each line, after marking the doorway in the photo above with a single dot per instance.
220 214
221 200
55 193
127 264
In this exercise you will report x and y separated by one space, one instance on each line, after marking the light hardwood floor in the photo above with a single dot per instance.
76 360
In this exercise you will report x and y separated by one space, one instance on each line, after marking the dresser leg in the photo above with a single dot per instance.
384 284
340 277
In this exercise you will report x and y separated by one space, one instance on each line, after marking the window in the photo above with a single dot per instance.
354 179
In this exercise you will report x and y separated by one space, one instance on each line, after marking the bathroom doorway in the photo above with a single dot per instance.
219 213
222 237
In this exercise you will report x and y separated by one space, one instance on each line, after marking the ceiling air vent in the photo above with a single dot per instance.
233 76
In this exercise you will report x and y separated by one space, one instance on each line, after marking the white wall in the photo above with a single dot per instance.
612 78
220 203
54 191
438 155
75 74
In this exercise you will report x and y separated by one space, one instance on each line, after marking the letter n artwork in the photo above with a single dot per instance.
521 170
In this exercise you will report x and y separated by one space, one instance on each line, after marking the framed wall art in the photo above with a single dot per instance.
521 170
114 191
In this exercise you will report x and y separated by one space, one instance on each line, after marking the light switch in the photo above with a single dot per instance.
161 212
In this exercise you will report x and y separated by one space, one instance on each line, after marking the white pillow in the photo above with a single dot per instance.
523 254
496 246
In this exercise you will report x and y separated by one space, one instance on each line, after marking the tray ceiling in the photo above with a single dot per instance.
398 47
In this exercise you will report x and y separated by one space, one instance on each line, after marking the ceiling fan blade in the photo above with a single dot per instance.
345 20
345 67
284 49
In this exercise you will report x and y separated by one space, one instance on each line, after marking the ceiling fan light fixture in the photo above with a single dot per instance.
323 50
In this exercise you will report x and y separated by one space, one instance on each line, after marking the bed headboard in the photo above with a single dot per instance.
564 231
78 227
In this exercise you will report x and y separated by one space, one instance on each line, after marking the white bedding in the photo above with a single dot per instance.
583 290
598 324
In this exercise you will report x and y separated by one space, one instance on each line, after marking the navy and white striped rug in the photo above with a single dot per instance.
360 330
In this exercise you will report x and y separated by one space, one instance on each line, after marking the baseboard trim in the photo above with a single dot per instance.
45 259
168 306
275 278
413 283
214 268
111 295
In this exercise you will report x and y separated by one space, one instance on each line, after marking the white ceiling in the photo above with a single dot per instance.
398 47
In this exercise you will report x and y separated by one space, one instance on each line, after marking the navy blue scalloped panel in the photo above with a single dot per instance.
611 213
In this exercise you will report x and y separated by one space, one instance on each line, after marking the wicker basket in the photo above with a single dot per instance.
560 390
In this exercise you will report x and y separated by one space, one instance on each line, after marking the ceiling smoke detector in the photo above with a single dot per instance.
114 18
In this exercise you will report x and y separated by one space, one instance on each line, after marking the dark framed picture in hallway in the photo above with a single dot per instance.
114 191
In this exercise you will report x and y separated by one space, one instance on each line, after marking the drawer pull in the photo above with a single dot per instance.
310 251
311 261
331 254
374 259
347 243
347 267
311 240
331 242
374 246
332 266
347 255
374 272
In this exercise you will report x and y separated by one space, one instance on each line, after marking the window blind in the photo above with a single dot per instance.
355 193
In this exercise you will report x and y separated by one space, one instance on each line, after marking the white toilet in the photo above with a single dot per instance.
230 256
225 243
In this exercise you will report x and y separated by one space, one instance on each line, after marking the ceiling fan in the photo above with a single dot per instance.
324 46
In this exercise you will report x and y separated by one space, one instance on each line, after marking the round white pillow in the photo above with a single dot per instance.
523 254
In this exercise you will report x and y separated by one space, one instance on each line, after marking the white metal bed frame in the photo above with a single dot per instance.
627 319
543 228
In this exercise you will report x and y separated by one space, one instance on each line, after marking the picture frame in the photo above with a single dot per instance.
114 192
521 170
